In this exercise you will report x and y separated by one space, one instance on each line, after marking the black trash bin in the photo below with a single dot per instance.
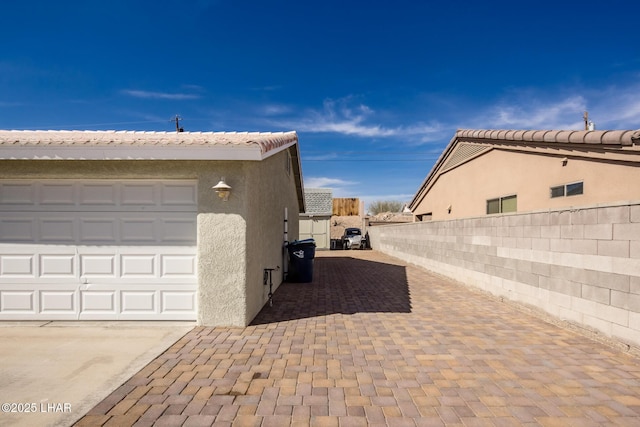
301 255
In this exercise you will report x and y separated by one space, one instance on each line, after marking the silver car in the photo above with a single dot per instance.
352 238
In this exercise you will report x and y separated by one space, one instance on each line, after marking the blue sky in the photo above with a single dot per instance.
375 89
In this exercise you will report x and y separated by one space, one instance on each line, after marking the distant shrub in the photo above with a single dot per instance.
380 206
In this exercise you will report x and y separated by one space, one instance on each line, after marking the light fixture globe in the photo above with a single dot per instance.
223 189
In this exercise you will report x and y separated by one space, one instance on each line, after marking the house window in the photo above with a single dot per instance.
567 190
502 204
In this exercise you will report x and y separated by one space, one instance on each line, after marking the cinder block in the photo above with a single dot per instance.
531 231
585 216
634 249
618 282
634 284
560 245
626 334
626 301
634 321
598 324
584 246
629 266
634 212
560 218
517 231
523 243
509 242
598 231
605 312
538 219
540 244
527 278
550 232
541 269
597 294
615 248
614 215
523 266
561 286
629 231
572 231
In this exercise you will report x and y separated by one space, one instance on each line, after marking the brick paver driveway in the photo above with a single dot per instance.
373 341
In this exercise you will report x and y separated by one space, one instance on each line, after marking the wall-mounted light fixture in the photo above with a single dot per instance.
223 189
565 161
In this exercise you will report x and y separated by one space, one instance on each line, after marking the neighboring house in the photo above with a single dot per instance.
126 225
315 222
484 172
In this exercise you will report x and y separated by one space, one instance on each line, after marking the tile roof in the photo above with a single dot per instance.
265 141
318 200
614 137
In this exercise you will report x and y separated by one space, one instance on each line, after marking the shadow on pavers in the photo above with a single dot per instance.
341 284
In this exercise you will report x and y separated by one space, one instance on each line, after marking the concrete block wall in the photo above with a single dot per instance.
581 264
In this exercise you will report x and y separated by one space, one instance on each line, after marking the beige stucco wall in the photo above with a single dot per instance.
236 238
497 173
270 188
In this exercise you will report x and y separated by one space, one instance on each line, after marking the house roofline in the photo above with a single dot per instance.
612 139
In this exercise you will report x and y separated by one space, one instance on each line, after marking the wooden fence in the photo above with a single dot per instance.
346 206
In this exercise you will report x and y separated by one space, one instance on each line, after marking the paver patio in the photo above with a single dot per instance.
373 341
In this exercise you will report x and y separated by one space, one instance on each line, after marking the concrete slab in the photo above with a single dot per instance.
57 371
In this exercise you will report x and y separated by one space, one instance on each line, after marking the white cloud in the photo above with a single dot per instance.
159 95
326 182
613 107
344 116
565 113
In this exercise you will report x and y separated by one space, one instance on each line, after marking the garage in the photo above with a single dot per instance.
98 249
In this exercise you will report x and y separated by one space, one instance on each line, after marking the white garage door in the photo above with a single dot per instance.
98 250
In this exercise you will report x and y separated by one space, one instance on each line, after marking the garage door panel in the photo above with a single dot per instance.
98 302
57 194
179 194
58 302
135 266
17 229
178 265
177 302
57 230
17 266
98 249
98 265
98 230
139 302
18 302
97 194
140 230
56 266
17 193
